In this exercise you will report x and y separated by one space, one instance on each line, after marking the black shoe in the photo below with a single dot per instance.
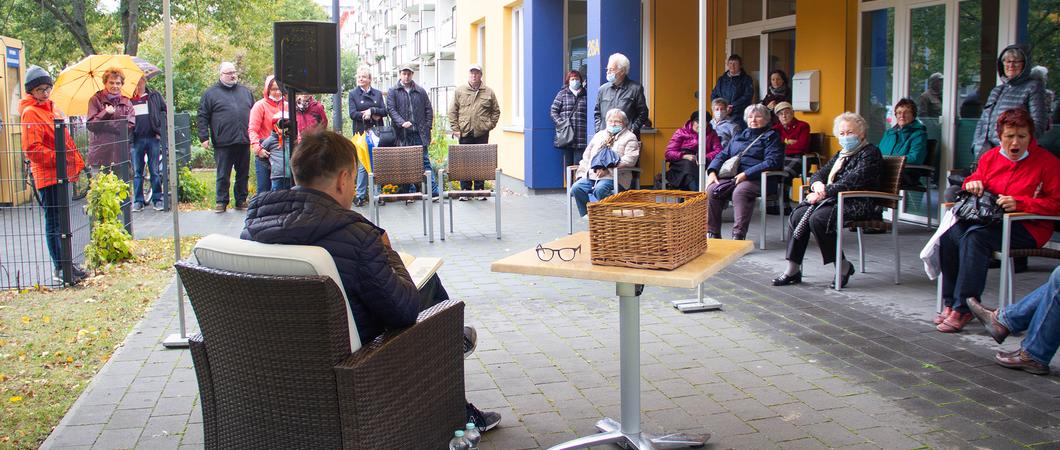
359 202
1020 264
784 280
484 420
470 341
713 235
738 237
241 206
844 279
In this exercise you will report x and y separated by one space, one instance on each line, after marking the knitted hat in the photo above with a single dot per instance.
36 76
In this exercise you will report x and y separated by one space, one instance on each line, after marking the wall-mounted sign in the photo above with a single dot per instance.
593 48
13 56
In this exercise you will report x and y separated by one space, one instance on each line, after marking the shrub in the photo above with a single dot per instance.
109 242
189 188
201 157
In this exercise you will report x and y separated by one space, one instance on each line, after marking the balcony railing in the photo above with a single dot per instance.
424 42
441 96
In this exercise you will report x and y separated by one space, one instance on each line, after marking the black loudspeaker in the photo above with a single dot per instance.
305 56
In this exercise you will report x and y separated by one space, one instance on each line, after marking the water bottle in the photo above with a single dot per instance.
459 442
472 435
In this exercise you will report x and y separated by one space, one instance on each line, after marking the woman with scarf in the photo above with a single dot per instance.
111 118
855 168
683 150
598 180
569 105
779 89
759 150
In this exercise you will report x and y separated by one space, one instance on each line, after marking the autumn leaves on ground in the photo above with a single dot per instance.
52 342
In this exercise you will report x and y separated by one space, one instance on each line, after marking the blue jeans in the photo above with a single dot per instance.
263 171
413 138
146 147
281 183
362 183
581 189
1038 314
49 202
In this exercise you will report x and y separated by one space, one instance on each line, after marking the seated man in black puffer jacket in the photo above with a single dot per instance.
317 212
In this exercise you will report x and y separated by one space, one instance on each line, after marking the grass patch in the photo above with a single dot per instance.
207 176
52 342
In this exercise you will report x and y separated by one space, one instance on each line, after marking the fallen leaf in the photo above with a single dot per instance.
47 319
15 399
26 319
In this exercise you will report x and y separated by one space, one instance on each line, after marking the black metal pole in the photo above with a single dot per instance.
336 111
66 248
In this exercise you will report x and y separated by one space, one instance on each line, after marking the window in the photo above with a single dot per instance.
516 55
480 40
762 32
877 69
741 11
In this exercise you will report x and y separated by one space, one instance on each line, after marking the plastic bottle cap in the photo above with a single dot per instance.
459 433
470 425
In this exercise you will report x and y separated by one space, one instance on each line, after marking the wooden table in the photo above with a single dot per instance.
720 254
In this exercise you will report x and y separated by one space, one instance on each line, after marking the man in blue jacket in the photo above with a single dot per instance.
735 86
317 212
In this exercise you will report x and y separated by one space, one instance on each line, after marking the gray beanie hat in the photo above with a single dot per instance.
36 76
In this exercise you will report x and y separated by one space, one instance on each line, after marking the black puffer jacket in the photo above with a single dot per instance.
860 173
379 289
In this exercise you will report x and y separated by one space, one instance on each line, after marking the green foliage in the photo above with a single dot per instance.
438 150
109 242
201 157
189 188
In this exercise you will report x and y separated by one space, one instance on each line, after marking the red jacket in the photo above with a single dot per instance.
1032 181
263 115
799 132
38 142
313 116
686 139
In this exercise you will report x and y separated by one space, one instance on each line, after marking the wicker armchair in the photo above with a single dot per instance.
275 369
470 162
400 166
888 196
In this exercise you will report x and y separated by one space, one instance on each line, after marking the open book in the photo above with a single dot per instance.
421 269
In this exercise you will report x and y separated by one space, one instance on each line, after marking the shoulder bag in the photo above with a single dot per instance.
731 167
982 210
565 131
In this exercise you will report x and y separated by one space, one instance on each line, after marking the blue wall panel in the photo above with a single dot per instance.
542 72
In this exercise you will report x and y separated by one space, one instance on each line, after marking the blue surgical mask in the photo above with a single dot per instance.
849 142
610 78
614 129
576 84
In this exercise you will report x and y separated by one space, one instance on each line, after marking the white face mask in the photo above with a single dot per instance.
275 98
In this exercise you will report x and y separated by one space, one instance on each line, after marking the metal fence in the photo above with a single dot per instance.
44 221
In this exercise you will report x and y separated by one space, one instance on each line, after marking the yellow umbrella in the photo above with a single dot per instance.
78 83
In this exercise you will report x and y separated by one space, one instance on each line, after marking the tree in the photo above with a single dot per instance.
72 15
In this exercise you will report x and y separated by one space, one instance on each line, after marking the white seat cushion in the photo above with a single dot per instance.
238 255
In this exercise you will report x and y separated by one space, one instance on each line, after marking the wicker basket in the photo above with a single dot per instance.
648 229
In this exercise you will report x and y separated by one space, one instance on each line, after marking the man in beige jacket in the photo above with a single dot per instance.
472 115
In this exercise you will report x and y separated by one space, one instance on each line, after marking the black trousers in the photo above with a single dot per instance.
228 157
474 185
432 293
818 224
965 251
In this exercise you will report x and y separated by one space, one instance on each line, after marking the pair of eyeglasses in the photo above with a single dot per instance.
565 254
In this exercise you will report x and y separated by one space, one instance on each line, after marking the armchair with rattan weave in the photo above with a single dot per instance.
275 370
400 166
470 162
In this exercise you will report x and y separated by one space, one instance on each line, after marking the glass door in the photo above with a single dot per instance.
925 74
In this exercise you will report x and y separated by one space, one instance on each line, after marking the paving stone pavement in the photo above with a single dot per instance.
792 367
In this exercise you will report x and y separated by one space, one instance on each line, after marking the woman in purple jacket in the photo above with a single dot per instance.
682 153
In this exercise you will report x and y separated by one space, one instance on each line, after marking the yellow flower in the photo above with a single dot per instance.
15 399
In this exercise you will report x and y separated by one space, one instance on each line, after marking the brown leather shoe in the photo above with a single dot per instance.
955 322
241 206
943 315
1021 360
988 317
220 208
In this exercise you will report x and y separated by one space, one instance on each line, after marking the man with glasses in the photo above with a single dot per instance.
620 92
224 117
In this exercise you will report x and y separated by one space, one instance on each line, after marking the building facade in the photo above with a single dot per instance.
869 54
420 33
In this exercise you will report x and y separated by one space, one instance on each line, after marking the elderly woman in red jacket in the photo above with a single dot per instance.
1023 175
795 135
683 150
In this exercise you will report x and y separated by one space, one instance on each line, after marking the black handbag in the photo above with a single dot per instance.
976 209
564 134
386 134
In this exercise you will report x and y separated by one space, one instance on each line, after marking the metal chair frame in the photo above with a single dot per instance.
400 176
894 197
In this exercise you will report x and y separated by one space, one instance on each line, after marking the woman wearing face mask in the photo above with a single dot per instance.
263 116
722 123
779 91
569 105
759 149
1023 175
311 115
682 152
855 168
111 118
600 181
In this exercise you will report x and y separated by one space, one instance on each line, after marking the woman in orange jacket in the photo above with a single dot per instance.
38 143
